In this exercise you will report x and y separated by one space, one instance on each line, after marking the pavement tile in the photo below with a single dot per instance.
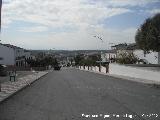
2 94
8 88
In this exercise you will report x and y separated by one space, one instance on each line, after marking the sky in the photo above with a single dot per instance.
71 24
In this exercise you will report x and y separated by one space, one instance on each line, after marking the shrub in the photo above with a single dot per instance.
127 58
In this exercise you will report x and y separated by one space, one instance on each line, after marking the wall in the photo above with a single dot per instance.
19 52
94 68
129 71
151 57
134 72
7 54
103 69
158 57
108 56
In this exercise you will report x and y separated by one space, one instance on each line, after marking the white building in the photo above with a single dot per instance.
148 58
28 55
109 55
7 55
11 55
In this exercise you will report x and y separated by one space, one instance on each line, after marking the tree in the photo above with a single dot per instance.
43 62
127 58
87 61
148 35
78 59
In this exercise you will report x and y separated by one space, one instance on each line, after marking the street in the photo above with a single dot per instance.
71 94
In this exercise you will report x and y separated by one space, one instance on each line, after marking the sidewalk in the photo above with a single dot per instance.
19 74
9 88
149 82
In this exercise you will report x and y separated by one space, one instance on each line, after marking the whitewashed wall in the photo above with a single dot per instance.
97 69
94 68
82 67
19 52
8 55
90 68
158 57
103 69
134 72
86 67
152 57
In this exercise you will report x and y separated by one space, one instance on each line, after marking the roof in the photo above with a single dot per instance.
124 46
110 51
11 46
132 46
120 46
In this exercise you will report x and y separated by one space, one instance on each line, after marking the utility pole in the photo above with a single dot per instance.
0 82
0 29
0 12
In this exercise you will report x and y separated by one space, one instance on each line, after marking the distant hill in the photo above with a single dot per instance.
66 52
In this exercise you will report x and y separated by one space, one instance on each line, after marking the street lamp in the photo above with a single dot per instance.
100 62
0 83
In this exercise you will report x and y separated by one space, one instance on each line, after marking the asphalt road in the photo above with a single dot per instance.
72 94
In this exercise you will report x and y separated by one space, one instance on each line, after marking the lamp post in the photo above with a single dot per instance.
0 82
100 62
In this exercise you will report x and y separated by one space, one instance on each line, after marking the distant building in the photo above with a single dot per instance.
109 56
11 55
148 58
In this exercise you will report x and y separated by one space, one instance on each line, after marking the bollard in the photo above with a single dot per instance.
12 75
100 68
107 68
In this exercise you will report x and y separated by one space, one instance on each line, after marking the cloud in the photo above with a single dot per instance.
123 3
154 11
68 23
131 2
57 13
33 29
84 39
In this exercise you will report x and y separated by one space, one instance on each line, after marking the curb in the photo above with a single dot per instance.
138 80
20 89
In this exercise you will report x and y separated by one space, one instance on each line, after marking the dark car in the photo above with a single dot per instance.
3 70
57 67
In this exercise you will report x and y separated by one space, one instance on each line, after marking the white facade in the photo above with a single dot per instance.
108 56
11 55
29 56
151 58
7 55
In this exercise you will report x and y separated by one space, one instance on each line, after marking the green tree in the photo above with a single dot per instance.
88 61
43 62
127 58
78 59
148 35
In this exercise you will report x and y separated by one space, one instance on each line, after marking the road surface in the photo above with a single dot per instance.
72 94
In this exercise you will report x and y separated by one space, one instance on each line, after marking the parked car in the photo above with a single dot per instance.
3 70
57 67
